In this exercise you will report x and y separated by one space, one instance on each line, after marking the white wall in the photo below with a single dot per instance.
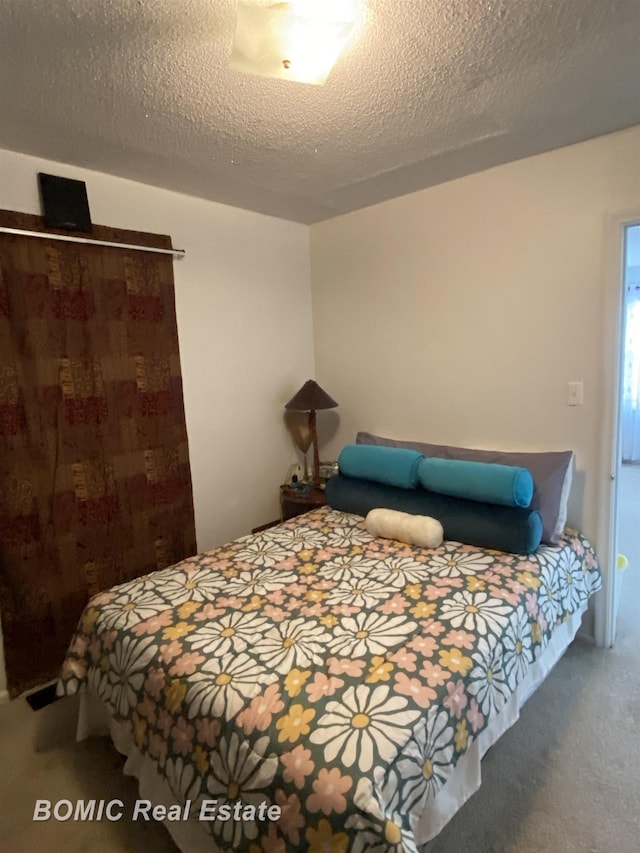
458 314
243 305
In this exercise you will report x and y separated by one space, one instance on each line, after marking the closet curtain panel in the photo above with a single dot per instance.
95 484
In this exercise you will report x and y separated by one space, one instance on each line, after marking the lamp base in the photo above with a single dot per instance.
315 475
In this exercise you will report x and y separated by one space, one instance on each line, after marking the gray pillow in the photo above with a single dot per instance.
552 473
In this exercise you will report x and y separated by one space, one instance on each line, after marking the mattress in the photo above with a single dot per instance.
352 682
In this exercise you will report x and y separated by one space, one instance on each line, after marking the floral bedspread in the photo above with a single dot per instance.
314 667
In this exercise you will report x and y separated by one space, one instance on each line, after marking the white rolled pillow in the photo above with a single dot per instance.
420 530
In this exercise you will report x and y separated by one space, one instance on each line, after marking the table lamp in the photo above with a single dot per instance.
310 398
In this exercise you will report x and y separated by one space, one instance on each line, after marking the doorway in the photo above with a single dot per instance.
628 480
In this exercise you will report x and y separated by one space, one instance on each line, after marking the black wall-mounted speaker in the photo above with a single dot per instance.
64 203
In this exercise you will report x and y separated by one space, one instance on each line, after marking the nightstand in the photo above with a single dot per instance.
292 503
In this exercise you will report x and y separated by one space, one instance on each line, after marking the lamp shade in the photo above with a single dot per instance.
309 398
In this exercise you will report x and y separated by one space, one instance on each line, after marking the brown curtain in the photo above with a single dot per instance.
95 485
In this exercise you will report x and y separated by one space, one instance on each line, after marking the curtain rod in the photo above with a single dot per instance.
178 253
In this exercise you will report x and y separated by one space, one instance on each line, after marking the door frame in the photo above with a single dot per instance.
610 461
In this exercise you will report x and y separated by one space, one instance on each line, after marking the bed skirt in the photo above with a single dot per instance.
192 836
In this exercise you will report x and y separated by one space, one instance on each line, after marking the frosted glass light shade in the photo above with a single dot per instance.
299 40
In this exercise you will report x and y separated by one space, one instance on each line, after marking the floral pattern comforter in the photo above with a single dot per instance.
314 667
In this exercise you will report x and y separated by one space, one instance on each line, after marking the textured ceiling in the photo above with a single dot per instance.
427 90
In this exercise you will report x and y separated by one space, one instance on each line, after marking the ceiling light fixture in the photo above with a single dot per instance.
298 40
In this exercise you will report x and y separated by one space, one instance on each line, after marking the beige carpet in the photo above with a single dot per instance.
564 779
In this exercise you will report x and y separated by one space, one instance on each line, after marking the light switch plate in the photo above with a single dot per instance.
575 393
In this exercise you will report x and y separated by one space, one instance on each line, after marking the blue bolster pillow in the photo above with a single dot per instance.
394 466
503 528
477 481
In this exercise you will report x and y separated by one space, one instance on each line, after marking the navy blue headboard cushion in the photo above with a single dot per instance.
503 528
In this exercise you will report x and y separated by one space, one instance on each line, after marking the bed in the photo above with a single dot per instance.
353 682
